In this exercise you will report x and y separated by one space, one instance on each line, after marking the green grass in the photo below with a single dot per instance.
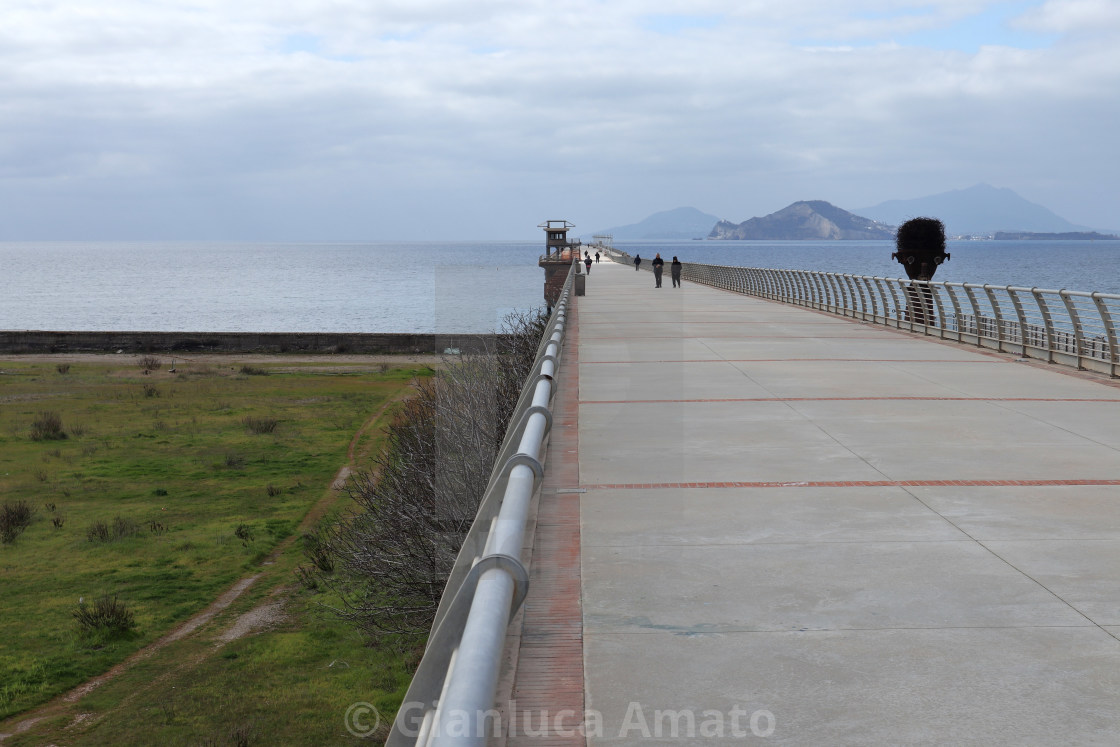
182 465
291 684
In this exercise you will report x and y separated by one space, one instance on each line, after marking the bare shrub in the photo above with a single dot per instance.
123 527
15 516
416 503
318 552
58 521
105 615
99 531
149 363
63 368
243 735
120 528
234 460
254 371
259 426
47 426
273 490
151 390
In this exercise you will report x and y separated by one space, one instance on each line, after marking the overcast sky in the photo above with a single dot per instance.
475 119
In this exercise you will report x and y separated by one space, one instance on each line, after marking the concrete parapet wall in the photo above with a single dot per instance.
34 341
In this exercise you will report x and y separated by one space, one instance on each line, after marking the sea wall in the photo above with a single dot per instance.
33 341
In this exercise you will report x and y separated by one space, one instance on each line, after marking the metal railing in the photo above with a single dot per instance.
1072 328
454 687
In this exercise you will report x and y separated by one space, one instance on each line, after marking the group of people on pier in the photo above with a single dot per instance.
659 267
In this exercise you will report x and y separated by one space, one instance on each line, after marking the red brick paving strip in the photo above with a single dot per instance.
548 684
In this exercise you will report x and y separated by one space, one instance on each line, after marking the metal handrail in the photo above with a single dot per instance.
456 681
1071 328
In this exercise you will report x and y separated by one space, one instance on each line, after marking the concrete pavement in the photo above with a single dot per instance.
799 529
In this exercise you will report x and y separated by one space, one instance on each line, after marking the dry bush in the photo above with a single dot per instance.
259 426
15 516
120 528
416 502
149 363
47 426
105 615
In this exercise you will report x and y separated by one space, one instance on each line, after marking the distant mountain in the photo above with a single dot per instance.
815 219
682 223
1066 236
978 210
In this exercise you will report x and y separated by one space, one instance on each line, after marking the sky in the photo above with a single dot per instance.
433 120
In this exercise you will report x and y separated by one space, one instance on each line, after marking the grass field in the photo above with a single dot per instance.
162 489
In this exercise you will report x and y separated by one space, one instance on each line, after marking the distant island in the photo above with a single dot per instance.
806 220
974 213
1067 236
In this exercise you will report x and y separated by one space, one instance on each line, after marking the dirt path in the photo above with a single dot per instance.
244 624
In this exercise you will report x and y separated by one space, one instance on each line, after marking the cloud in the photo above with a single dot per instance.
415 118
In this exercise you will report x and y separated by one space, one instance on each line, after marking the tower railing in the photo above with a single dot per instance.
1070 328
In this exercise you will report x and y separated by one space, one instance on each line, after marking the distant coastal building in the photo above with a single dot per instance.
557 258
556 237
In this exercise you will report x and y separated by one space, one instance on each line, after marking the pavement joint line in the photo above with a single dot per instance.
846 399
854 484
784 631
632 338
784 323
797 360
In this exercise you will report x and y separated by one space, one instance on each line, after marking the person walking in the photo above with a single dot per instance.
658 266
587 262
637 261
596 257
675 271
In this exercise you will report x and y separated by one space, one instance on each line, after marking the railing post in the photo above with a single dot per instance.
871 295
1047 322
976 316
899 308
826 295
1019 312
841 292
957 319
990 291
1110 333
1075 318
857 290
803 292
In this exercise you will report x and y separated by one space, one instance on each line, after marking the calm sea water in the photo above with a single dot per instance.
420 287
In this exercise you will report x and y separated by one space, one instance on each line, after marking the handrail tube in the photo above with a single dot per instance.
458 674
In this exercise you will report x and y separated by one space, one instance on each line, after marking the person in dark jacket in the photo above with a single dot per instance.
675 271
658 267
596 257
587 263
637 261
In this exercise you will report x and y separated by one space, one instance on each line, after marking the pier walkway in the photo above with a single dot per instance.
764 524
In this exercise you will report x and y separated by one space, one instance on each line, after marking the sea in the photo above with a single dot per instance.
459 287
